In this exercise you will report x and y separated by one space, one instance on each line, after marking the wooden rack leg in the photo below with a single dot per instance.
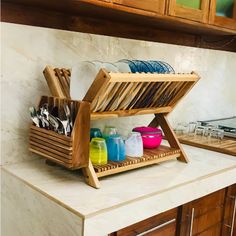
170 136
90 175
154 123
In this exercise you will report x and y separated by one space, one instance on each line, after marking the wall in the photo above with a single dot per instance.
27 50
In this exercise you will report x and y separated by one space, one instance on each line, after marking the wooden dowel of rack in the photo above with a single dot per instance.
149 77
122 113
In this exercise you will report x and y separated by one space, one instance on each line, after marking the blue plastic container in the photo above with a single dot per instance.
115 148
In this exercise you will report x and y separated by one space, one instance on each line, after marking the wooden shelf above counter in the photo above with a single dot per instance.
117 18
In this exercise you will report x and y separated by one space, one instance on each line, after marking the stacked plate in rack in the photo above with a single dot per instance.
85 72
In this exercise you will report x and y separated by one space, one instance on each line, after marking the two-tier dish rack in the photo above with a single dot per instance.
111 95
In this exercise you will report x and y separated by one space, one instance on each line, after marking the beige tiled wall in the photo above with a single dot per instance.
26 50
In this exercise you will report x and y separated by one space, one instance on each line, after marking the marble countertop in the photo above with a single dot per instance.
131 196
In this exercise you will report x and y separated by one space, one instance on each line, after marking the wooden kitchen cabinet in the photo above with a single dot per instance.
196 10
211 215
229 221
157 6
167 21
159 225
203 216
223 13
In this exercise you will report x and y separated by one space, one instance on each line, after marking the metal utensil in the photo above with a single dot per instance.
45 111
61 129
72 114
63 119
68 116
53 122
34 117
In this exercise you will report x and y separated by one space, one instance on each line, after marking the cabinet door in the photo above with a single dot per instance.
159 225
229 223
196 10
223 13
157 6
203 216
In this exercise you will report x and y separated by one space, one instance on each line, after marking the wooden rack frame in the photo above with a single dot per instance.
114 95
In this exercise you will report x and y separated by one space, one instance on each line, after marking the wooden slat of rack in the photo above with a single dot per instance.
148 96
150 157
226 145
36 134
101 80
140 164
124 96
122 113
183 90
159 93
51 133
64 83
44 142
104 99
149 77
140 94
47 141
53 151
114 96
49 154
133 95
121 94
81 136
34 150
54 83
67 74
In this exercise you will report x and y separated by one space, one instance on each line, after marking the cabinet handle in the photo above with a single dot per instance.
157 227
191 223
233 219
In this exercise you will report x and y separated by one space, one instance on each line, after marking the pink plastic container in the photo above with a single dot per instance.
151 137
145 129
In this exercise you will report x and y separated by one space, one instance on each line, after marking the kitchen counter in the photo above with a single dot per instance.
132 196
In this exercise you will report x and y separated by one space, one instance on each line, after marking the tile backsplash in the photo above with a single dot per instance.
27 50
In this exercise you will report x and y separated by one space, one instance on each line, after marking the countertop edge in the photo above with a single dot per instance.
148 207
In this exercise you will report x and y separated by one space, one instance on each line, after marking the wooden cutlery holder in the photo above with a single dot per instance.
71 152
113 95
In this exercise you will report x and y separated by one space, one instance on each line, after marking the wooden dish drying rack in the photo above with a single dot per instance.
112 95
